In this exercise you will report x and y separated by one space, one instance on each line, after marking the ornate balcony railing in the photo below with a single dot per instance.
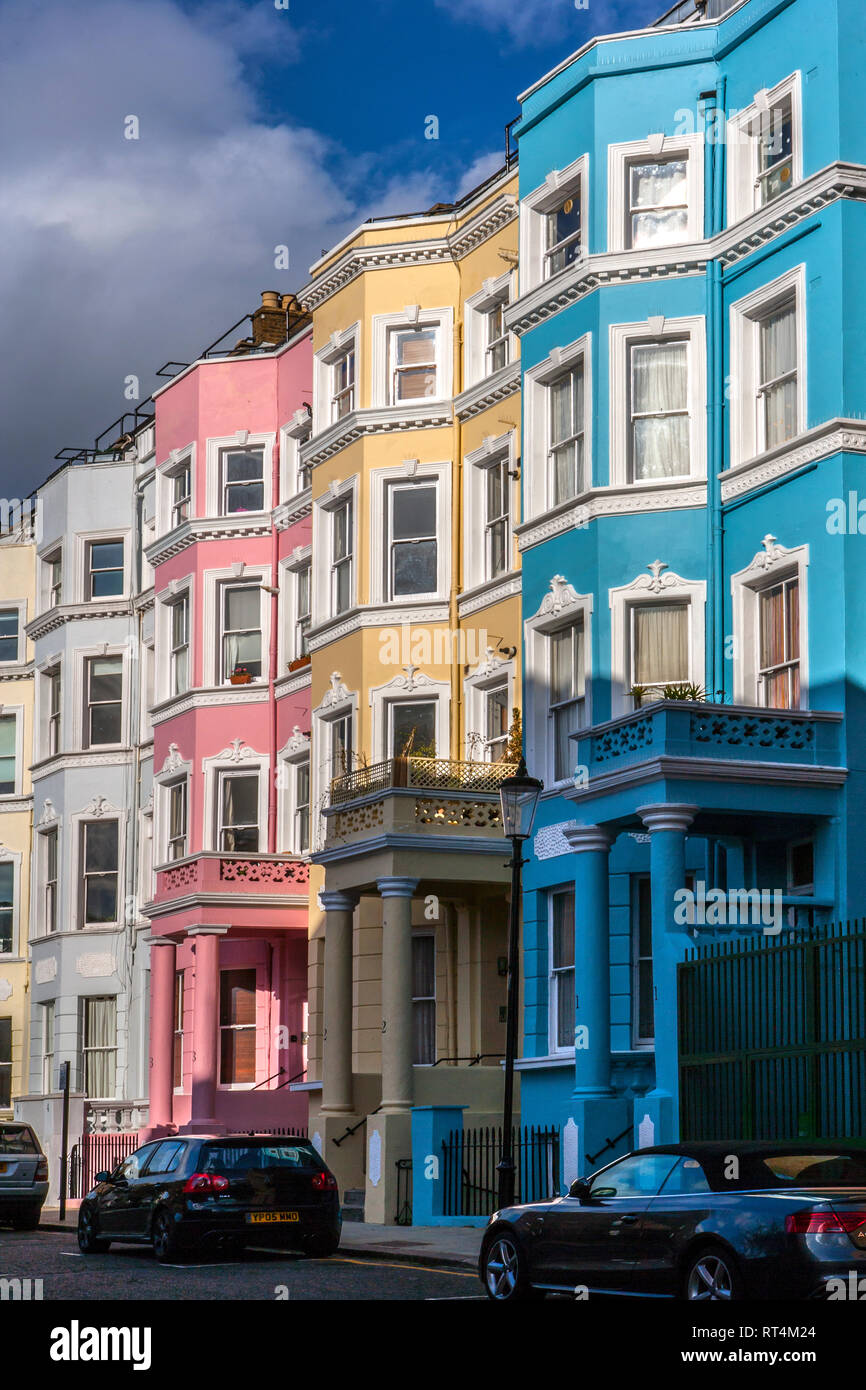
686 729
114 1116
226 873
420 774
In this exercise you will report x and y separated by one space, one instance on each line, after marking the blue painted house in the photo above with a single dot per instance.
692 318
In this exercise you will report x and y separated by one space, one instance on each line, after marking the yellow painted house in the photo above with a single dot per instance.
17 594
414 634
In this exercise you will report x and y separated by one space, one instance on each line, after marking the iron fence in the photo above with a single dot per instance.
470 1158
96 1153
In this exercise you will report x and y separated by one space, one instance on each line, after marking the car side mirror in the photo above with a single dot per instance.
102 1177
579 1189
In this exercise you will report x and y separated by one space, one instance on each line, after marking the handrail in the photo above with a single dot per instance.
472 1060
353 1128
609 1144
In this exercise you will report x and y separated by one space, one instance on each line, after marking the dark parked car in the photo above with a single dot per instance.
23 1176
697 1221
205 1191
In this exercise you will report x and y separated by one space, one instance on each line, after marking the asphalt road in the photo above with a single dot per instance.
129 1272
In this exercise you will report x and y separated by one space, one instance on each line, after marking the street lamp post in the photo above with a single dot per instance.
519 798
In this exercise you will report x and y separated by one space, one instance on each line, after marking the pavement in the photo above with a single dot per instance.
447 1247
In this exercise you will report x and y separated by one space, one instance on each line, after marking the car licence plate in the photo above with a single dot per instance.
268 1218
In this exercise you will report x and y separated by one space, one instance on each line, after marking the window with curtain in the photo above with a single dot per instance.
777 384
414 550
565 454
48 1047
562 997
54 689
242 629
413 729
497 523
239 812
243 481
302 609
8 740
343 385
105 569
10 621
237 1027
660 644
643 1029
177 819
49 851
7 906
177 1040
413 363
659 405
562 233
658 202
779 671
495 338
5 1064
180 646
496 723
567 694
301 838
423 1000
104 700
54 578
341 556
773 134
341 745
181 494
100 870
100 1047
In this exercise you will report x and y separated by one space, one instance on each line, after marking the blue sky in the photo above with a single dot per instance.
259 127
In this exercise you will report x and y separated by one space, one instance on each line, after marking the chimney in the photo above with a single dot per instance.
269 320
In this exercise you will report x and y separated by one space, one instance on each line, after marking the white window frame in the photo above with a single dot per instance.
48 557
291 568
490 675
45 883
13 857
19 607
555 1048
381 481
80 825
339 345
45 671
323 510
292 438
476 559
442 319
338 703
562 607
83 1002
536 432
764 573
216 448
403 690
559 185
297 750
177 591
742 147
392 543
48 1055
622 337
89 571
15 712
244 581
667 587
180 784
656 148
241 759
76 581
165 476
123 655
747 316
494 291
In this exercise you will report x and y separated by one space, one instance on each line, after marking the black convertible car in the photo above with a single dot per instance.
702 1221
227 1190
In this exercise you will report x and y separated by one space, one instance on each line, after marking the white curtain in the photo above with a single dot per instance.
659 388
100 1044
779 359
661 650
661 189
243 642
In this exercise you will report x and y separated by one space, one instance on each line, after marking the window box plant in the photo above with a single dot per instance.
240 676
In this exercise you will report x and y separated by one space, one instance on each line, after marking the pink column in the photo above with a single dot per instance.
163 958
205 1028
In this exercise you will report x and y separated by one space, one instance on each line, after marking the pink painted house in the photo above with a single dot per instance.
231 720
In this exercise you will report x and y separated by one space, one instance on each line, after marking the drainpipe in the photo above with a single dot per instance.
714 187
272 652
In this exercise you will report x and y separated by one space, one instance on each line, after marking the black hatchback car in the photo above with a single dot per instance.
209 1191
702 1221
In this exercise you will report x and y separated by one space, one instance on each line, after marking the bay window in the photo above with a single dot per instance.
8 754
413 547
497 522
10 634
413 363
301 827
54 692
179 654
104 714
99 1047
567 694
303 591
49 855
657 202
496 723
104 569
659 410
343 385
181 494
413 729
779 639
566 435
776 387
241 630
243 485
561 997
659 645
54 578
342 546
495 338
48 1046
341 745
100 866
562 233
642 1007
177 819
7 906
238 831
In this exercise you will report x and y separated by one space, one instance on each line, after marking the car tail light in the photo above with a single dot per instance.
41 1169
324 1182
200 1184
819 1223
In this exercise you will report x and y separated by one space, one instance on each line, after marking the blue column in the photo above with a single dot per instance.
657 1114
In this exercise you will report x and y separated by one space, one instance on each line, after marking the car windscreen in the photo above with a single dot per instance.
803 1169
241 1158
17 1139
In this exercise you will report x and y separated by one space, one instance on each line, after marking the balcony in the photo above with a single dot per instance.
232 873
427 774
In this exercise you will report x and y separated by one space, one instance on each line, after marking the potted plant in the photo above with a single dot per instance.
299 662
240 676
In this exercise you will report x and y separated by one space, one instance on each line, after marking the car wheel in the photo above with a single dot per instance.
712 1277
164 1238
28 1220
89 1241
505 1273
322 1245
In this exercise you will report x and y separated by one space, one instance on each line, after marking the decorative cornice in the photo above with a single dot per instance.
374 616
707 770
118 757
15 803
208 699
488 392
337 694
21 671
609 501
294 509
376 421
833 437
54 618
219 528
561 597
237 752
291 684
485 595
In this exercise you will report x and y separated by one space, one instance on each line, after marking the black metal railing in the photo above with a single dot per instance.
470 1158
96 1153
420 774
403 1214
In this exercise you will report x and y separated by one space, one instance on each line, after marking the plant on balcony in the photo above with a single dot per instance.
685 691
638 694
299 662
240 676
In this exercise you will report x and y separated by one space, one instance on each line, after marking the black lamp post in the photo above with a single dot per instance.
519 798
